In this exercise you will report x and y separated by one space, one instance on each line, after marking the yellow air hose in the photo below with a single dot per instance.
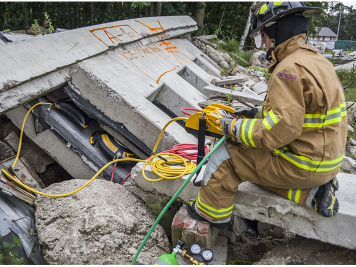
159 167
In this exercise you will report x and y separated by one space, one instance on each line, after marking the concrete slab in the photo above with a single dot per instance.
256 203
260 88
231 80
212 90
55 51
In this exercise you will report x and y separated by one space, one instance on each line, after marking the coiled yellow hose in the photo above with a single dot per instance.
159 167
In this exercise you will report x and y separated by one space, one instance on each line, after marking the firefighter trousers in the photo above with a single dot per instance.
231 165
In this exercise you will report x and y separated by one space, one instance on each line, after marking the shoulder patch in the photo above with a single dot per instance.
287 76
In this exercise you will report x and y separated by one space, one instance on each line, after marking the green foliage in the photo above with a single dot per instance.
347 77
230 45
8 255
50 27
238 262
36 28
243 58
229 96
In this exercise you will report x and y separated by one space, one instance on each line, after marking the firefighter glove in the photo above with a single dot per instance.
246 112
227 125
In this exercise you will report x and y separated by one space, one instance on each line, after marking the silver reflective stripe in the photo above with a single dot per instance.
221 213
310 197
219 156
308 163
247 128
217 221
269 120
237 127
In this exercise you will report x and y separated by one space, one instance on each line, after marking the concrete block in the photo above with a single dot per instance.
230 236
259 74
248 91
249 83
301 220
231 80
350 128
348 164
352 150
13 141
212 90
260 87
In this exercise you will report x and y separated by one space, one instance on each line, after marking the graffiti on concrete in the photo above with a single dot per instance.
140 57
115 34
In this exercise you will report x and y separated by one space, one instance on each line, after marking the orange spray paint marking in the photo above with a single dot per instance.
145 56
173 50
107 35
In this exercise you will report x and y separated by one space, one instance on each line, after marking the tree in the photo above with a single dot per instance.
198 12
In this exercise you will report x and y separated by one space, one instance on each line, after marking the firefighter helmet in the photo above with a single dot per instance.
270 12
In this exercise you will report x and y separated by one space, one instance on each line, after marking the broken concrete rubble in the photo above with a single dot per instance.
277 210
102 224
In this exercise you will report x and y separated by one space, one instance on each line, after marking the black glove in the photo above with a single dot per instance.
246 112
227 126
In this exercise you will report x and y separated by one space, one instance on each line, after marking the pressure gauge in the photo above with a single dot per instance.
195 249
207 255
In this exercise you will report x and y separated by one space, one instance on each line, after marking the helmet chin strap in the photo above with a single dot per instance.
269 52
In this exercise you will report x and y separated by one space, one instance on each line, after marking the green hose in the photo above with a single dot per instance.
174 197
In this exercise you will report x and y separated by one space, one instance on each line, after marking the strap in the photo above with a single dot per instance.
201 146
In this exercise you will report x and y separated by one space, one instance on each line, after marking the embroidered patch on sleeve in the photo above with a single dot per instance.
287 76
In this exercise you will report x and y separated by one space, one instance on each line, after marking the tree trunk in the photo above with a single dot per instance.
152 9
222 16
198 12
108 6
247 27
159 8
75 14
92 12
120 10
147 11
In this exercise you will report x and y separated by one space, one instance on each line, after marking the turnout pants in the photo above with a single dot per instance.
231 165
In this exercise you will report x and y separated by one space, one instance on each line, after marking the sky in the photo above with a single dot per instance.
349 3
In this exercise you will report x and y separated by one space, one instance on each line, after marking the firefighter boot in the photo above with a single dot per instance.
192 211
325 201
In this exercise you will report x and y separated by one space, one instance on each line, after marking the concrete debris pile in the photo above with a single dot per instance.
102 224
349 162
222 59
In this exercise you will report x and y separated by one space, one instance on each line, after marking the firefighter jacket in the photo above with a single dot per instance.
304 116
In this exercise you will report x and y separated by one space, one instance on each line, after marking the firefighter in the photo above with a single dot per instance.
294 144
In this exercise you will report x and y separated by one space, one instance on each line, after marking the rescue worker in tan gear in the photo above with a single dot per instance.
295 143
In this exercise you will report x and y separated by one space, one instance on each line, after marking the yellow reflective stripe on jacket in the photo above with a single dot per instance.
278 3
247 131
309 164
212 211
270 120
294 195
319 120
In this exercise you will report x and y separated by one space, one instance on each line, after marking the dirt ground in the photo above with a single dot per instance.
290 250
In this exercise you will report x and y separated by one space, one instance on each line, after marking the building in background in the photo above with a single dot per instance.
324 39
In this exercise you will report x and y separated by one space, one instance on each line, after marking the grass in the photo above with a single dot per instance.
348 81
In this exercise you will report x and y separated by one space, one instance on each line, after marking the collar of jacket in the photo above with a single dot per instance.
286 48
